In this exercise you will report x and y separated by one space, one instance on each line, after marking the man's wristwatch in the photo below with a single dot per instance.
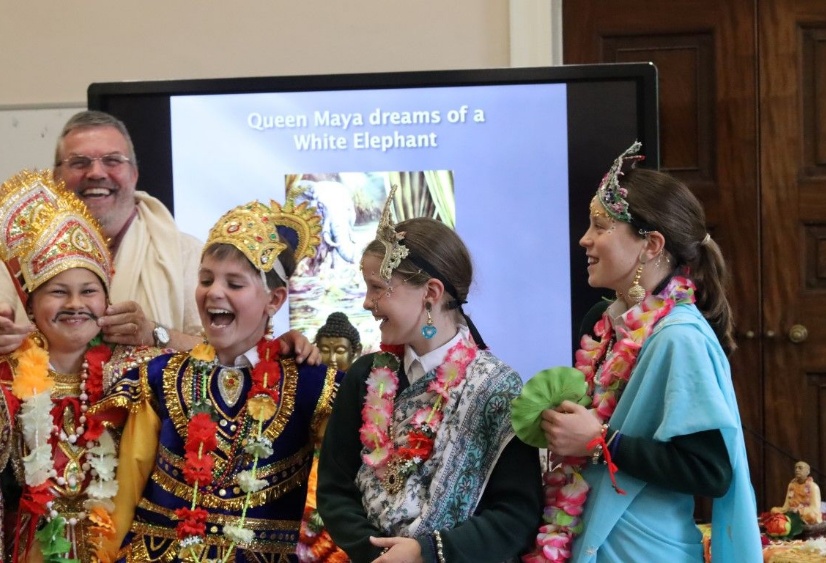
161 336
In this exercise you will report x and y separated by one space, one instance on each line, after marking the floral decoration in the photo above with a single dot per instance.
377 413
607 369
201 440
33 385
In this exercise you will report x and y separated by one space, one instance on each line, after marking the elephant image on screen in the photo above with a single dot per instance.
350 205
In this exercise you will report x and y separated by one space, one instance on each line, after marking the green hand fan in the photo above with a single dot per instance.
545 390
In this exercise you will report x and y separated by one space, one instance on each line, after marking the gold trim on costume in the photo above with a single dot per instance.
325 402
125 358
65 384
176 385
6 425
161 476
275 539
256 524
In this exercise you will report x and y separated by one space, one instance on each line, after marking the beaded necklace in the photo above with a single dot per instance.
42 422
393 462
607 366
201 440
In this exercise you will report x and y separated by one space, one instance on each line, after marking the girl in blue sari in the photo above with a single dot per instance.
663 423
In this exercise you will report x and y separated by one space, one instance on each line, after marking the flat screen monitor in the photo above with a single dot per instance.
507 157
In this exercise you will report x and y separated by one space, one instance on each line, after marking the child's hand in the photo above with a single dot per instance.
293 343
402 550
569 428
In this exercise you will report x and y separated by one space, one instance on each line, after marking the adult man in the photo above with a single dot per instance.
802 496
156 265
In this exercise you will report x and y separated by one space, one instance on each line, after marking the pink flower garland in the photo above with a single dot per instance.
377 413
565 489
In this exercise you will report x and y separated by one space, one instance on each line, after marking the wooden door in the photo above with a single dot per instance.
792 92
706 58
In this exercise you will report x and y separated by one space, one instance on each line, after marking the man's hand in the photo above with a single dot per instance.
11 335
126 323
293 343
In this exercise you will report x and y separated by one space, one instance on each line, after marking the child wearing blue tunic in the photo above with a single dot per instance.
662 424
218 447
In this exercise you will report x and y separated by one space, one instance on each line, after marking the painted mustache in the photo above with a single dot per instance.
69 314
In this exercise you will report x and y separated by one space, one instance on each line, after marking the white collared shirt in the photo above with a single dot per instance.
247 359
415 366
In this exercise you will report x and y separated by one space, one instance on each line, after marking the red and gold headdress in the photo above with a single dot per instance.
45 230
262 232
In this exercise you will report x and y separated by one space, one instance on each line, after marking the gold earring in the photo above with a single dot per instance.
39 340
637 292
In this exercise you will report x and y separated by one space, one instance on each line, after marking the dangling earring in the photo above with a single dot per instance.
637 292
39 340
37 337
428 330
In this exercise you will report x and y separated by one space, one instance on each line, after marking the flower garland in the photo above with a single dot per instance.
606 373
201 441
399 462
40 419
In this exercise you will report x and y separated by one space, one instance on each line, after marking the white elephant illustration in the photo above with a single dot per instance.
334 202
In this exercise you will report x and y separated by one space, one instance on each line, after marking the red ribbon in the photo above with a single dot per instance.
599 441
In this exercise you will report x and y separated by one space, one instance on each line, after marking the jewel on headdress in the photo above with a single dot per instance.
250 229
394 252
610 194
46 230
255 230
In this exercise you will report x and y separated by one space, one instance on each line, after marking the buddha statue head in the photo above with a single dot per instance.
339 341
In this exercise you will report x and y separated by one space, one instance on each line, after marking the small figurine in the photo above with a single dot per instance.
802 496
339 342
340 345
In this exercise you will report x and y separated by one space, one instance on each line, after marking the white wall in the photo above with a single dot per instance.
51 51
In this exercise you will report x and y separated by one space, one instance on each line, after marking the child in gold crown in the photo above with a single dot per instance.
63 449
219 442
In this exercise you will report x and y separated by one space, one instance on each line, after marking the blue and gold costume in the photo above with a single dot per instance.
160 395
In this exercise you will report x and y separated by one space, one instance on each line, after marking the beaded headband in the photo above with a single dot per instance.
394 250
609 193
261 232
46 230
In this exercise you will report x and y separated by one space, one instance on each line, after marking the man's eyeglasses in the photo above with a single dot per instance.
82 162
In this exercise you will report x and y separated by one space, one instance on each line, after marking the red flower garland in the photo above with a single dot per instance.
202 438
96 356
200 441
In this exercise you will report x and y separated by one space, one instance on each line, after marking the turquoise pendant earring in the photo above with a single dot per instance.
428 330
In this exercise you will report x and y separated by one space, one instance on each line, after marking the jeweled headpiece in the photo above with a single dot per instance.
262 232
610 194
394 251
45 230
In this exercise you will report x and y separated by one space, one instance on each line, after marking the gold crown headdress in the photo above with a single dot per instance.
262 232
609 193
45 230
394 251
